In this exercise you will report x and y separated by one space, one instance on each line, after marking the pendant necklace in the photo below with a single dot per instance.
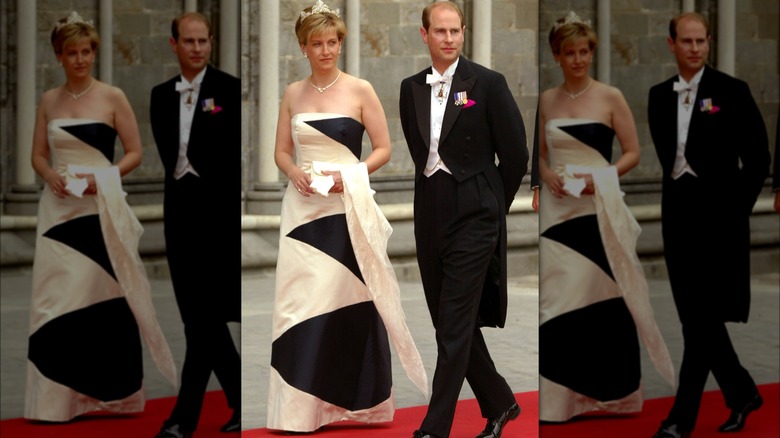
322 90
574 96
76 96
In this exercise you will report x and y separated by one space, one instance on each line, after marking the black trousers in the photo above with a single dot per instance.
456 231
193 239
698 293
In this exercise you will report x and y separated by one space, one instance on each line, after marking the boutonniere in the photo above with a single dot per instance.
208 106
706 106
461 98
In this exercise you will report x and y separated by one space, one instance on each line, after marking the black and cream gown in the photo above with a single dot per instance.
91 303
594 304
337 305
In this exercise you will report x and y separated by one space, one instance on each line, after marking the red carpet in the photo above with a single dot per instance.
468 423
763 423
146 425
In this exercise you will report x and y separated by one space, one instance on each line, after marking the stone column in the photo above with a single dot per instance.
265 193
25 91
727 33
483 32
190 5
352 46
603 25
269 91
230 15
688 5
105 50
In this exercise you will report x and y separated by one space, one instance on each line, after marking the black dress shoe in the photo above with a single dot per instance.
233 425
173 431
496 425
422 434
738 417
672 431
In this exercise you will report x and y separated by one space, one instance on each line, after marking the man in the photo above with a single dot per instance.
196 122
704 124
455 126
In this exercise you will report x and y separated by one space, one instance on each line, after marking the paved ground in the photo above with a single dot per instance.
514 348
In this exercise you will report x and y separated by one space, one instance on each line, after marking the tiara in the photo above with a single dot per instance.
572 18
73 18
319 8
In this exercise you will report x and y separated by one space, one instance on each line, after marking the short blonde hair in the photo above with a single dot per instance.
563 34
65 34
318 24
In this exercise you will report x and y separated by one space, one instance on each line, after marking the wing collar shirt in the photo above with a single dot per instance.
440 90
685 105
187 107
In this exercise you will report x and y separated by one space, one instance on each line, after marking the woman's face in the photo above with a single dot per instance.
323 50
77 58
575 58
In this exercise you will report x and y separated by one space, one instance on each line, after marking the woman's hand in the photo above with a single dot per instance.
91 187
56 183
535 200
338 184
553 181
588 190
301 180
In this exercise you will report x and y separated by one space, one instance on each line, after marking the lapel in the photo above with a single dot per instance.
463 80
170 119
670 101
197 118
421 95
698 118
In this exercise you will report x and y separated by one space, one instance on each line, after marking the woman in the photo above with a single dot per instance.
593 299
90 294
337 299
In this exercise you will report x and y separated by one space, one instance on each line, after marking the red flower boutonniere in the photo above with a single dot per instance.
209 106
469 103
706 106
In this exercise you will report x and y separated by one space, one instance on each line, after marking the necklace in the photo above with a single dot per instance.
76 96
573 96
322 90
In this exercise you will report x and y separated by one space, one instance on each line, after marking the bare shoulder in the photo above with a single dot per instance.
110 92
49 96
609 92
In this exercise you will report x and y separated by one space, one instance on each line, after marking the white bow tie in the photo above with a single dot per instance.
680 87
182 87
431 79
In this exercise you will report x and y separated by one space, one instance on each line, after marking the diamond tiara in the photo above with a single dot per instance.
73 18
571 18
319 8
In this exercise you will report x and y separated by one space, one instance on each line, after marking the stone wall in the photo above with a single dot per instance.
392 49
640 57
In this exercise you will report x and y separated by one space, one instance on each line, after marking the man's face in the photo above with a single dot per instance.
691 47
193 47
444 37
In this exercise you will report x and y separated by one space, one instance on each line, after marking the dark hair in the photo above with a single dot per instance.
687 15
426 13
189 15
65 34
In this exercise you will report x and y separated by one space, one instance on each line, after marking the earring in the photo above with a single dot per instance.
305 55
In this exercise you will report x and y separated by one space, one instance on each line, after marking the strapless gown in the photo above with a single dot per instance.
594 304
337 305
91 303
